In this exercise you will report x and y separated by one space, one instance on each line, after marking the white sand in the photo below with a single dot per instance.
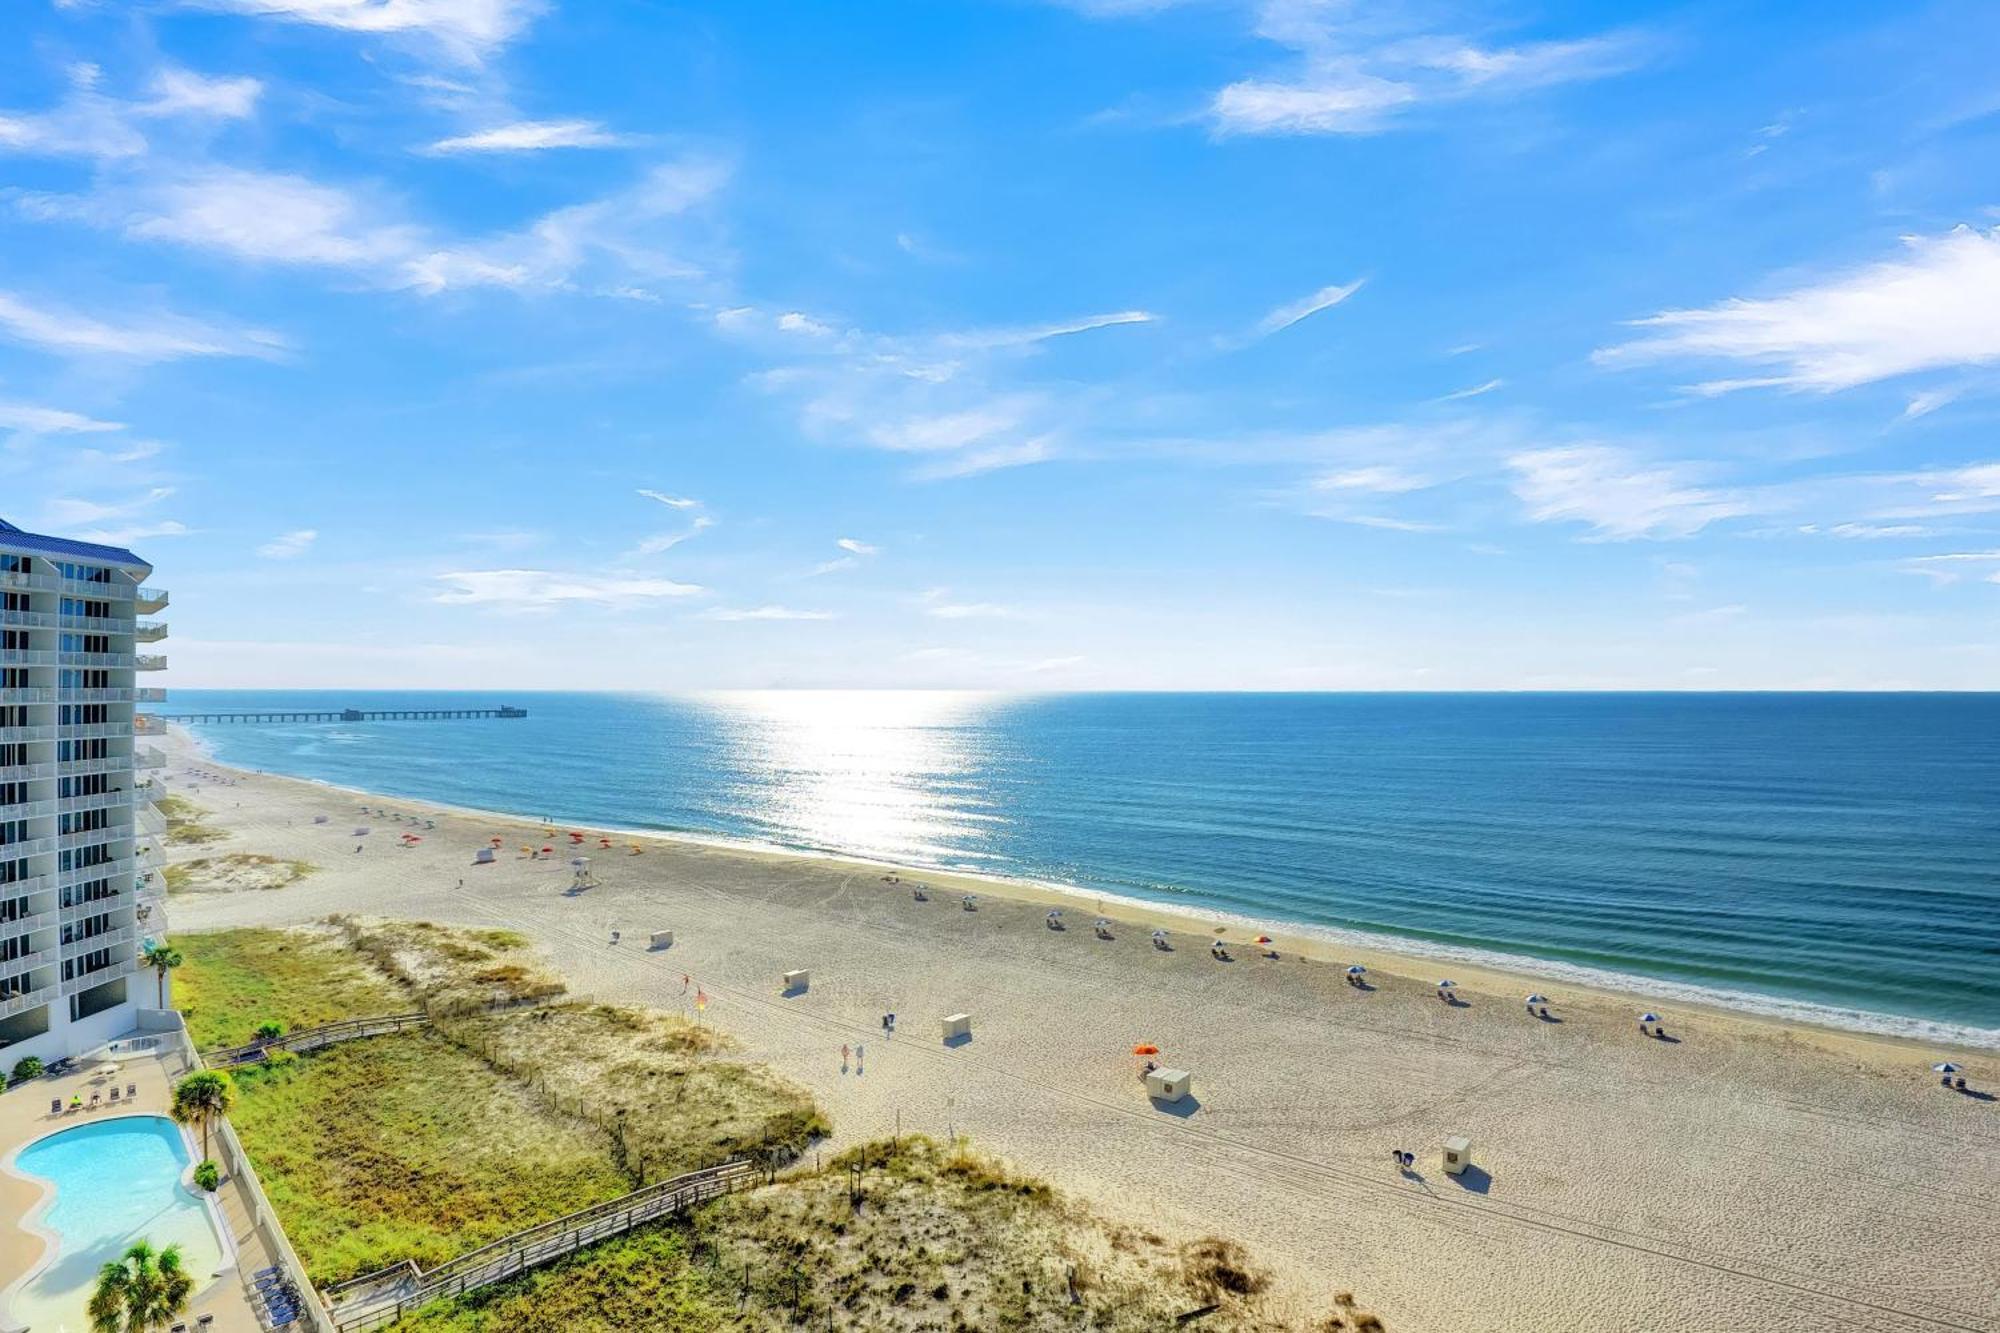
1747 1176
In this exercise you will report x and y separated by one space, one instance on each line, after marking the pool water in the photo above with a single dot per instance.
117 1181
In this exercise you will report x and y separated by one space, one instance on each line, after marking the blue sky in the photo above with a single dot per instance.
1018 345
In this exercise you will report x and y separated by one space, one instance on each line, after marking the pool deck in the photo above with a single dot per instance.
24 1117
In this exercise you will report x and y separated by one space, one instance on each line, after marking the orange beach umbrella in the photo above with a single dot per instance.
1145 1048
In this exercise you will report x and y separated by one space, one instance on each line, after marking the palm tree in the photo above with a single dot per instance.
140 1291
162 958
200 1098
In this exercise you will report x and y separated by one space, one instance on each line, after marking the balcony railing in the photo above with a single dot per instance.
104 592
14 851
27 962
104 939
150 662
76 620
26 657
99 694
150 694
120 869
119 965
33 922
97 800
27 694
152 599
148 758
34 999
80 659
23 735
150 631
28 619
39 582
78 768
95 731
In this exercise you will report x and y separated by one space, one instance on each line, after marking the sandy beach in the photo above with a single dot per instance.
1742 1175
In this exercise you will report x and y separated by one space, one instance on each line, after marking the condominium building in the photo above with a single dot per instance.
80 855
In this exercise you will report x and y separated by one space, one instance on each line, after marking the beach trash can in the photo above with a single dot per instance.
955 1027
1457 1155
663 939
1169 1085
797 981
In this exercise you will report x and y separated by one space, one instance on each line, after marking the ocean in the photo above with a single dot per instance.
1827 857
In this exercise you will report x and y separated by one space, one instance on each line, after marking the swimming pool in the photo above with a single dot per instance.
114 1182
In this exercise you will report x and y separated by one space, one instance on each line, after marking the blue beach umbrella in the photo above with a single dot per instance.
1946 1067
1649 1018
1538 999
1356 970
1447 985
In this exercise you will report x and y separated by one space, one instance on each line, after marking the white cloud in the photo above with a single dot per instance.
1476 391
672 501
530 136
270 219
69 511
1362 73
1935 307
1037 333
1376 480
1619 497
764 613
1324 299
465 29
795 322
854 547
1950 567
159 337
937 602
857 551
32 420
540 589
88 123
290 545
138 532
667 541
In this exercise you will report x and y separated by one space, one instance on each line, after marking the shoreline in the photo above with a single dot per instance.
1393 955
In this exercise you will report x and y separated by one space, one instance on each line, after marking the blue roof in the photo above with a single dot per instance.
14 537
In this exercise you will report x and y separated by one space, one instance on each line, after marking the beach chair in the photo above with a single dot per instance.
114 1094
55 1106
96 1100
131 1090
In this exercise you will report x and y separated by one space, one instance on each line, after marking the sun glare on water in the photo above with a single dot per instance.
890 774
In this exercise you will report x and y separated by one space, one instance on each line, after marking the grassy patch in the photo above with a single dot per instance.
451 971
410 1147
232 980
184 826
641 1281
235 872
683 1103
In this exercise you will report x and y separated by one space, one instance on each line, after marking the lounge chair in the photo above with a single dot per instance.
131 1090
114 1094
55 1106
1960 1085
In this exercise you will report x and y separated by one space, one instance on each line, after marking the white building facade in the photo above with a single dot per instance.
81 887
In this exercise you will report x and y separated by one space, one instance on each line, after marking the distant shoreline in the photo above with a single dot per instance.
1393 953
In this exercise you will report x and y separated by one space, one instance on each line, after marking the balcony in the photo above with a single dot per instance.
101 694
15 582
113 591
77 621
27 619
110 660
78 768
27 694
28 925
14 851
22 735
120 869
107 939
26 657
27 962
101 800
150 631
148 820
34 999
150 662
120 965
148 758
151 600
28 772
150 694
96 731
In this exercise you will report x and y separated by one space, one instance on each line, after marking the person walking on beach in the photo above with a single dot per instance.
843 1057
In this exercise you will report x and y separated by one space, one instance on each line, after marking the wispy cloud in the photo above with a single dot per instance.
1326 298
152 337
1954 565
88 123
672 501
667 541
530 136
32 420
541 589
290 545
1365 73
466 30
1935 307
1475 391
1617 496
856 552
764 613
938 602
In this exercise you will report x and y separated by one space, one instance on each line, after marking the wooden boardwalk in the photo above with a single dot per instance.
311 1039
379 1299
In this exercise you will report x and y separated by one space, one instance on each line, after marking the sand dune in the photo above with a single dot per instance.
1742 1176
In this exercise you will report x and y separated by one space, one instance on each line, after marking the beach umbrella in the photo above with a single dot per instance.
498 841
1263 939
579 861
1356 970
1055 913
1216 945
547 850
1447 985
1100 922
1159 934
1947 1067
1649 1018
1145 1048
1538 999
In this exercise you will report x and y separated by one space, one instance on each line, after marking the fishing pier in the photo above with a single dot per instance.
347 715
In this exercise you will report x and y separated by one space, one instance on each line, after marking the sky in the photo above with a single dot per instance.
1019 345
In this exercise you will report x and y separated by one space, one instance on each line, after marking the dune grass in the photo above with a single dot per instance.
642 1281
410 1147
184 826
235 872
232 980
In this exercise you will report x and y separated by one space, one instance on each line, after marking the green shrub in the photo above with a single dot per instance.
208 1175
270 1031
26 1068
